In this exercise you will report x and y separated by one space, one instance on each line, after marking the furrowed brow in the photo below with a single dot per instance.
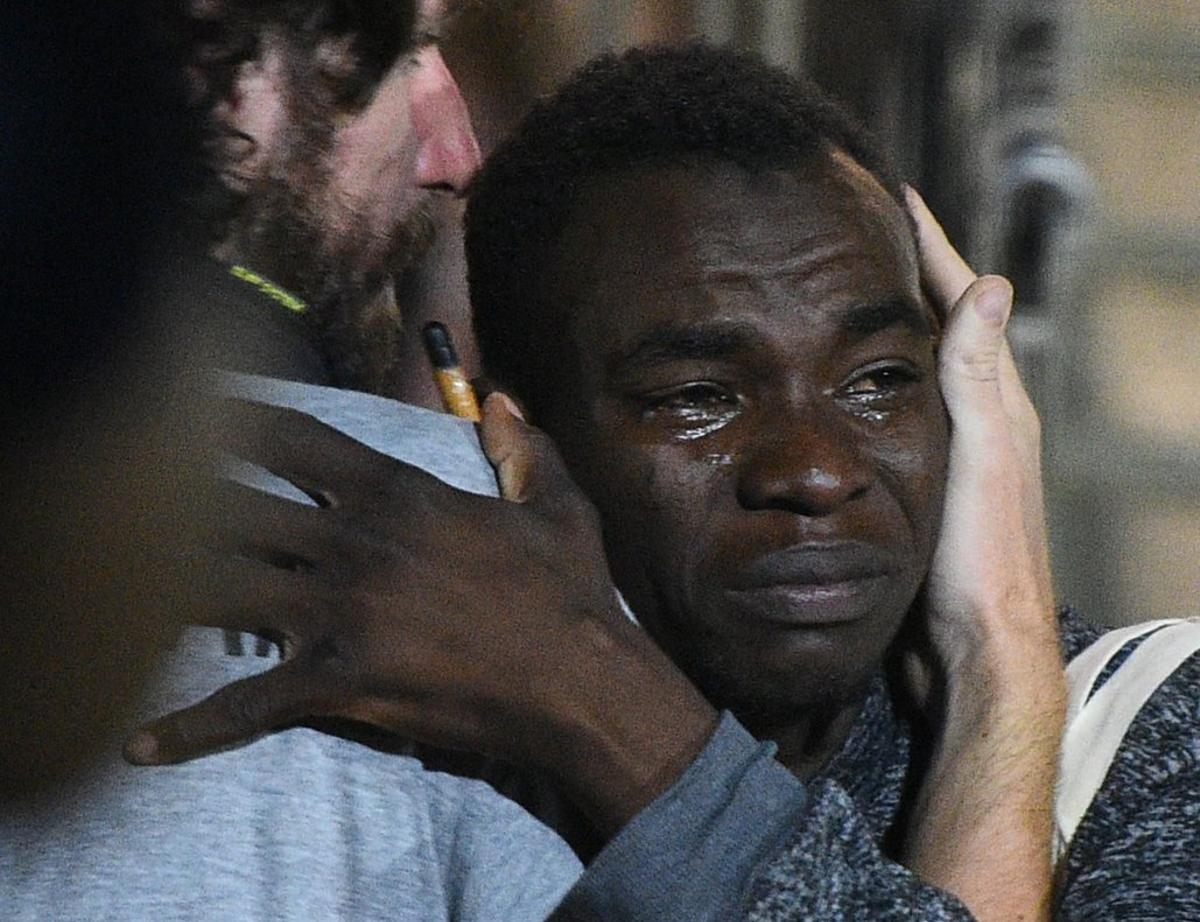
673 344
865 319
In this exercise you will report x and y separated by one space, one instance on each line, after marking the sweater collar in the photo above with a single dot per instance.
874 763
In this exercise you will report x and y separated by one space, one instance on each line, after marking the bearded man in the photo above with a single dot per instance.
328 126
775 412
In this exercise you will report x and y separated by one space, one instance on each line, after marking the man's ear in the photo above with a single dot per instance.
251 116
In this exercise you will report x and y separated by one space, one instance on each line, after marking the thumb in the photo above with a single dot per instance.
972 349
505 445
527 464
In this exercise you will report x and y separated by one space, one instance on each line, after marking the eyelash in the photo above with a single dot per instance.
891 379
693 394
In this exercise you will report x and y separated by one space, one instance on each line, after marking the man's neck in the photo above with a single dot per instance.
353 328
806 744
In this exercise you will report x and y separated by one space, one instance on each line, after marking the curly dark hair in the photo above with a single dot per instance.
645 107
339 49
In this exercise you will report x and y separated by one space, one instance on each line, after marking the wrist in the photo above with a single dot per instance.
1009 684
632 725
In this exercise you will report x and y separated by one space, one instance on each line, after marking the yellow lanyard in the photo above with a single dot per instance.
270 289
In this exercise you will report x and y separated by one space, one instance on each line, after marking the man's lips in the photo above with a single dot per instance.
813 584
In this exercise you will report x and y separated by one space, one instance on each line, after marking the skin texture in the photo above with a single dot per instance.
338 201
814 439
756 417
983 824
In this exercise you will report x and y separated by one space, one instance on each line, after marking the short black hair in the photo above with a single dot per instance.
646 107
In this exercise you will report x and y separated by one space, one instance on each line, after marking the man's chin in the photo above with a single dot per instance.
800 672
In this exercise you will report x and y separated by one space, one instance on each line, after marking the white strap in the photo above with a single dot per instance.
1086 668
1097 726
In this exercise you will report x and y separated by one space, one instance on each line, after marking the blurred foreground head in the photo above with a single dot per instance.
94 142
95 138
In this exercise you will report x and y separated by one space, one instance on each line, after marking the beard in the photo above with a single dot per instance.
298 230
321 245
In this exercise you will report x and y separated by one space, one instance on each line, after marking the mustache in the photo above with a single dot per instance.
816 564
409 242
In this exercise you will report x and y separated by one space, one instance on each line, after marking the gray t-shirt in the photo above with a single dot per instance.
298 825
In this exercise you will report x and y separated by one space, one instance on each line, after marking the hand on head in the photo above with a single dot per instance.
989 587
983 816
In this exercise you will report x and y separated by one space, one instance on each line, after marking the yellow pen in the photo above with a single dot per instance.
457 393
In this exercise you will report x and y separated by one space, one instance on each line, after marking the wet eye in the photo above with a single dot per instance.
702 395
881 383
692 410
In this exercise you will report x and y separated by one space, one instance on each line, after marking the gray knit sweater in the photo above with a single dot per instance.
739 837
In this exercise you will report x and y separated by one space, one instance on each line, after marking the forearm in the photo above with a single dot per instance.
983 824
740 837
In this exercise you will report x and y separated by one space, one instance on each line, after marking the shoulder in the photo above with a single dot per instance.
438 443
1076 633
1137 849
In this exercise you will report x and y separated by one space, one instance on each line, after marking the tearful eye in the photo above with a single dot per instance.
881 384
692 395
691 410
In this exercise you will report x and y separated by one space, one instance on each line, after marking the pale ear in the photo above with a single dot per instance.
251 118
335 59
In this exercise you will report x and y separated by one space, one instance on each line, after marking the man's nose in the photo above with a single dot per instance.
806 461
447 152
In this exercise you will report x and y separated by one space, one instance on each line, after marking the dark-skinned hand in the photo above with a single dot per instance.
461 621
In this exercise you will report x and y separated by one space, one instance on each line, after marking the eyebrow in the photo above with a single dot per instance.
668 343
871 317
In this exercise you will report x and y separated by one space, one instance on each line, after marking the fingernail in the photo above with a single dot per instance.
912 198
142 749
993 304
510 405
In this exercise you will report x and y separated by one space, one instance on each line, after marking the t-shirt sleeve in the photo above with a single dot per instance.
502 863
739 837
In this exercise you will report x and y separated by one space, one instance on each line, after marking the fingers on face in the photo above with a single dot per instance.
944 272
994 419
528 465
506 446
948 278
972 351
975 350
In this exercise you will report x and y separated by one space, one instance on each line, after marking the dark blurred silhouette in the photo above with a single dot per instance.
95 136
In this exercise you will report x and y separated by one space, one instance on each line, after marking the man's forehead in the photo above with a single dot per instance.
871 192
663 227
691 246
